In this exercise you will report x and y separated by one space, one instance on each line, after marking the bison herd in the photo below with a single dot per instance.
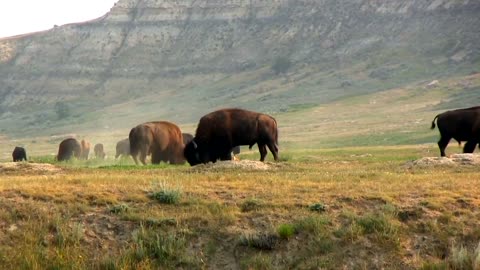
218 134
222 132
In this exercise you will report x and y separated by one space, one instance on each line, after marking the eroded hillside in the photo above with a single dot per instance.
178 59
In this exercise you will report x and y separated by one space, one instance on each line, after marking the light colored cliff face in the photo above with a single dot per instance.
148 46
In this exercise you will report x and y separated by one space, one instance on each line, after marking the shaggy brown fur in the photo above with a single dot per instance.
98 150
122 148
220 131
68 148
162 139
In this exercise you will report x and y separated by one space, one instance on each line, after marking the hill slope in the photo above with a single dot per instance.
177 60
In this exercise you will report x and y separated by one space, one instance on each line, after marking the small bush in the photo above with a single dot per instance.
62 109
281 65
262 241
286 231
120 208
318 207
251 205
167 195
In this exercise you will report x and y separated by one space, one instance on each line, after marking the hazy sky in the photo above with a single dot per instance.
25 16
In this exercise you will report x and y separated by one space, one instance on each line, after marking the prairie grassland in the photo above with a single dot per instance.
346 208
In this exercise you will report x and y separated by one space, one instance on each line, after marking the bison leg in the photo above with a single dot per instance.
156 158
273 148
143 156
442 144
226 156
263 151
469 147
135 158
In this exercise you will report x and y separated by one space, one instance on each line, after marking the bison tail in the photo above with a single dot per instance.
433 122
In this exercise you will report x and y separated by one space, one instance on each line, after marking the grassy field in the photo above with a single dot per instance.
343 196
338 208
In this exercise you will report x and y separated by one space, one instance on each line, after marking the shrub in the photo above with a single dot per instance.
120 208
281 65
286 231
62 110
250 205
317 207
167 195
264 241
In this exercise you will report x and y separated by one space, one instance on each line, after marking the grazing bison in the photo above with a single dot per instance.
461 125
220 131
85 149
122 148
187 137
98 150
19 154
162 139
68 148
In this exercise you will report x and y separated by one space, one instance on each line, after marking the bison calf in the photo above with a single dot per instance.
220 131
122 148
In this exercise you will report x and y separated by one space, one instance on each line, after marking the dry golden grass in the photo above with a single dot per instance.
375 213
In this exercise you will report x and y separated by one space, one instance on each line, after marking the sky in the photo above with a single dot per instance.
25 16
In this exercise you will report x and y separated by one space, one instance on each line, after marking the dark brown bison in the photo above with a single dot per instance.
187 137
461 125
85 149
220 131
98 150
122 148
68 148
162 139
19 154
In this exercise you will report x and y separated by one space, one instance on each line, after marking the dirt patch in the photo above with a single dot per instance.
26 167
453 160
241 165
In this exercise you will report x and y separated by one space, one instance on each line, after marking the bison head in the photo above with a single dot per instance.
195 153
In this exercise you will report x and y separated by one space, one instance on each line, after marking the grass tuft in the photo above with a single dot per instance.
258 261
286 231
318 207
251 204
119 208
167 195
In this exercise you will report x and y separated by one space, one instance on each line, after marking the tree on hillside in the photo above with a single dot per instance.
62 109
281 64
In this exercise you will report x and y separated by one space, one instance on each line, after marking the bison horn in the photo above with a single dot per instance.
194 144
